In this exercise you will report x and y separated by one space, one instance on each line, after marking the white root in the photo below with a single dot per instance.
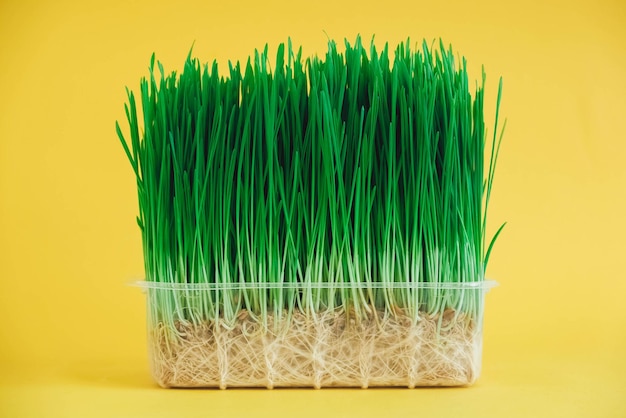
328 351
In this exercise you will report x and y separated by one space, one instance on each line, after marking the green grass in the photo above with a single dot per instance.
353 180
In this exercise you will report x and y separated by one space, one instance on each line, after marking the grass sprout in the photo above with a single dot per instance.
355 180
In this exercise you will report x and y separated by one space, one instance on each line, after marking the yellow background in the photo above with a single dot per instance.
72 340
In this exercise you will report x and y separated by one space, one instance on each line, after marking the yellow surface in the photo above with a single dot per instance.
72 338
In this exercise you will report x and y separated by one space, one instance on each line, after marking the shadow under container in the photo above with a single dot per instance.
315 335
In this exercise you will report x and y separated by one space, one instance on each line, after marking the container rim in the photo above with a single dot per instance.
478 285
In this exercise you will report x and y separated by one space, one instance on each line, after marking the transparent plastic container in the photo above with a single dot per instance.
282 335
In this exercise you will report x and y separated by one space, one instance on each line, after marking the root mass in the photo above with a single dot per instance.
330 350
